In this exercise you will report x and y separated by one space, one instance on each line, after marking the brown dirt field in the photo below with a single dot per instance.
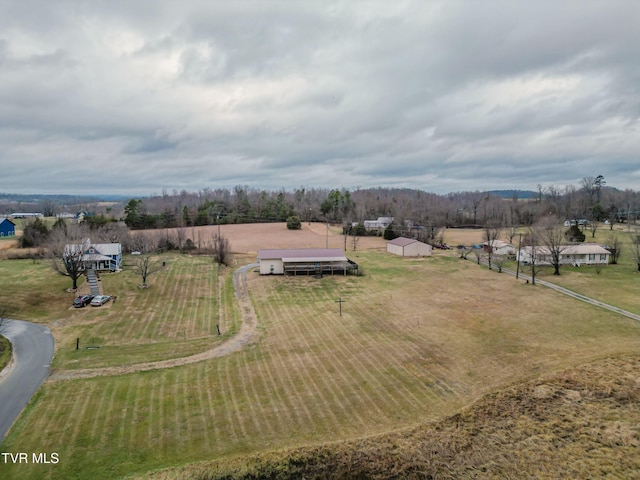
249 238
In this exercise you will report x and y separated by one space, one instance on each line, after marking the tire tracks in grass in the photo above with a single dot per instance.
246 333
315 391
334 362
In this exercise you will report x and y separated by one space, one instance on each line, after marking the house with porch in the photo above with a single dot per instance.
576 255
98 256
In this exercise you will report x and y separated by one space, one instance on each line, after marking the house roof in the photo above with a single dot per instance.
109 249
580 249
498 244
7 220
402 241
303 254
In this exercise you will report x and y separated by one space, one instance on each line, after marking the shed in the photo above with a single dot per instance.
499 247
7 228
409 247
305 261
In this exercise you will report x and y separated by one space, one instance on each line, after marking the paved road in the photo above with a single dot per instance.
32 354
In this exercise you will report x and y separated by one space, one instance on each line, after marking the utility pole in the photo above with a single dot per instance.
327 235
340 302
518 256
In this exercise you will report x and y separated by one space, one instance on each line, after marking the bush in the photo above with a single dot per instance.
389 233
293 223
574 234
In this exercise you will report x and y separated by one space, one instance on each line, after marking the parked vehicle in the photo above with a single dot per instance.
99 300
82 300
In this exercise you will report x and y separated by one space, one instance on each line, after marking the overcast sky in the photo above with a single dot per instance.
133 97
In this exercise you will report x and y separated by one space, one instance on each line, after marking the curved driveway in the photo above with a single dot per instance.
235 343
32 354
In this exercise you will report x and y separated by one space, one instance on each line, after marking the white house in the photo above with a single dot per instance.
582 254
305 261
380 224
409 247
98 256
499 247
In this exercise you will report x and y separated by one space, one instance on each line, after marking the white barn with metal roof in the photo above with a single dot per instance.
409 247
305 261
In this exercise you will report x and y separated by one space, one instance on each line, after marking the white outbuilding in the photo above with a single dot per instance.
305 261
409 247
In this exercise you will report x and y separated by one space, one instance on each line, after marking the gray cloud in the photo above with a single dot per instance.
134 97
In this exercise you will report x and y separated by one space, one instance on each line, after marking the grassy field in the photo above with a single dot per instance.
578 423
5 352
176 317
418 340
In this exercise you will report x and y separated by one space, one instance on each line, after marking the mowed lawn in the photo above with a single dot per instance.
177 316
418 339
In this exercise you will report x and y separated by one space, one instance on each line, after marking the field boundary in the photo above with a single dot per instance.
247 331
571 293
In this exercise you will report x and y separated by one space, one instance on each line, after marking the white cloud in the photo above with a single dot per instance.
438 95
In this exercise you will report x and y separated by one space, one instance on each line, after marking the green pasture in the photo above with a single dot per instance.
618 285
418 339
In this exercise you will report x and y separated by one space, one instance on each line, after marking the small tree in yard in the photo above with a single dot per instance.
389 233
499 261
635 250
491 234
221 250
293 223
145 246
615 247
551 235
66 250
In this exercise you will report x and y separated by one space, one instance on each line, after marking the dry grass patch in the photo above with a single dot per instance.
580 423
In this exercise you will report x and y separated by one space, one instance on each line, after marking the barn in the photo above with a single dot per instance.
409 247
7 228
305 261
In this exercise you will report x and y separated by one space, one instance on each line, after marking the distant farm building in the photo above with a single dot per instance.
7 228
380 224
409 247
305 261
499 247
576 255
26 215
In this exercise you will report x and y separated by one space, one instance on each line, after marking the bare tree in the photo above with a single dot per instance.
635 249
593 226
551 235
144 248
615 247
66 250
491 234
221 250
499 261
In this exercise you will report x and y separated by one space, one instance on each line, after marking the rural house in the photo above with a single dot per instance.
305 261
409 247
499 247
576 255
7 228
99 256
380 224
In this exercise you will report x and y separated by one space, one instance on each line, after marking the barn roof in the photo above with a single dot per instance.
302 254
7 220
402 241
